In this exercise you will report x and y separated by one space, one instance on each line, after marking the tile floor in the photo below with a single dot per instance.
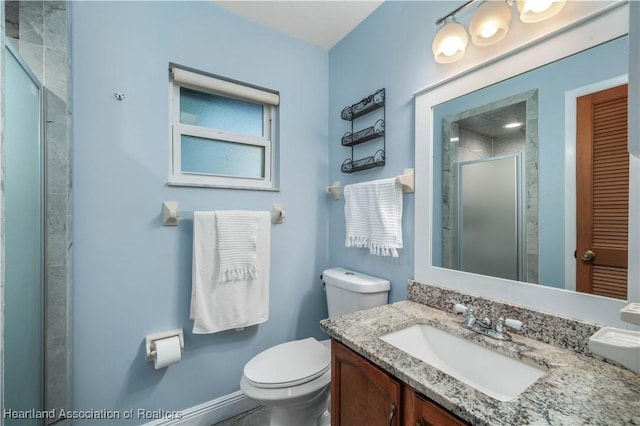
256 417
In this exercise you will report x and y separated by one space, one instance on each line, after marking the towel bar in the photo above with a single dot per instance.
406 179
170 213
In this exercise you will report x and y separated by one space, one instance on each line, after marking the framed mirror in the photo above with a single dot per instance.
535 225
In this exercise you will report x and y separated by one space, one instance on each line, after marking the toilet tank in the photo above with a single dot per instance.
349 291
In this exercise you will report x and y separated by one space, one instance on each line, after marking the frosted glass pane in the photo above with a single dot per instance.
217 112
489 218
23 327
215 157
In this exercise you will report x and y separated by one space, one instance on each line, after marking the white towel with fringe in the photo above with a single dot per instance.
373 216
237 235
218 305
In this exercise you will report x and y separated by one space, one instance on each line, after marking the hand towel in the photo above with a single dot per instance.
226 305
237 235
373 216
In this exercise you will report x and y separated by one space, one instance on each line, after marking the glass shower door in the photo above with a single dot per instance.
490 217
24 281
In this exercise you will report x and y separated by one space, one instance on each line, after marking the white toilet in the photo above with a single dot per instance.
294 378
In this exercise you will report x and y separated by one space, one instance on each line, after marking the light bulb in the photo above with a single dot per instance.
489 29
490 22
538 10
539 6
451 45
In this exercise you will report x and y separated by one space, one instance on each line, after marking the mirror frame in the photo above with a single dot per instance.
584 32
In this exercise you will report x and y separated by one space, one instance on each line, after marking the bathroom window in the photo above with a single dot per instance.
222 132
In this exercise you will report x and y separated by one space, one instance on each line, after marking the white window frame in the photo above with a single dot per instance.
207 83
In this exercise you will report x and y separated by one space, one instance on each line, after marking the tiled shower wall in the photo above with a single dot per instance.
40 32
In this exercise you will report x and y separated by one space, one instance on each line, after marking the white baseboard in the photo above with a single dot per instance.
210 412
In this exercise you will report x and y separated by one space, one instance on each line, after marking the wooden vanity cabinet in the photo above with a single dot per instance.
363 394
420 411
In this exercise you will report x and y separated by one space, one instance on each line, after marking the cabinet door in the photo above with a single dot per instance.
361 393
419 411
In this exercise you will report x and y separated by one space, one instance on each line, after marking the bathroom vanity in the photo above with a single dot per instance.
375 382
363 393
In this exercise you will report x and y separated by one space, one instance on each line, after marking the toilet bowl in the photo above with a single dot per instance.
294 378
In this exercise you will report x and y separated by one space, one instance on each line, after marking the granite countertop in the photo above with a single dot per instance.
576 390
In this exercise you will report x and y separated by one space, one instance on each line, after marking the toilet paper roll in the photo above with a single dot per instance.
167 352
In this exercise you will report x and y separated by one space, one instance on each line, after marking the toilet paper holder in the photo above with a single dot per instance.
150 341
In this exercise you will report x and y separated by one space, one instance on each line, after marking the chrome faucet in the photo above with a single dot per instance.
483 326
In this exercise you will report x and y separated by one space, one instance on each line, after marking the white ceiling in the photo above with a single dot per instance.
319 22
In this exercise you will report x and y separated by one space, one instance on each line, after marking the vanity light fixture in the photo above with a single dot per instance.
489 24
450 42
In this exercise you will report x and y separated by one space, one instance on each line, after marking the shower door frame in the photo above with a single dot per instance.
43 239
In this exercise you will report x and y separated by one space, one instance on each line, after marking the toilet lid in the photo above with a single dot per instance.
288 364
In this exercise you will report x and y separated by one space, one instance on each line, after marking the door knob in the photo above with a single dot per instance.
587 255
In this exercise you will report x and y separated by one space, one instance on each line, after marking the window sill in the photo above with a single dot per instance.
204 185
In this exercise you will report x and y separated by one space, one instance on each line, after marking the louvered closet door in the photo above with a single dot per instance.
602 193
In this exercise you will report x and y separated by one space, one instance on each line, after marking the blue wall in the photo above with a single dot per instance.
389 49
132 276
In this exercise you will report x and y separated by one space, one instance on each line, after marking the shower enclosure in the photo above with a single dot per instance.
24 239
490 229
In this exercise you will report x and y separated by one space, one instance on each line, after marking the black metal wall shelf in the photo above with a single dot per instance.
364 135
376 160
367 105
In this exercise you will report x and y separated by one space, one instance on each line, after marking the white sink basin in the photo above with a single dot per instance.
495 374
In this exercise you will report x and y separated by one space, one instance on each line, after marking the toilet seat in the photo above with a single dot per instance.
288 364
